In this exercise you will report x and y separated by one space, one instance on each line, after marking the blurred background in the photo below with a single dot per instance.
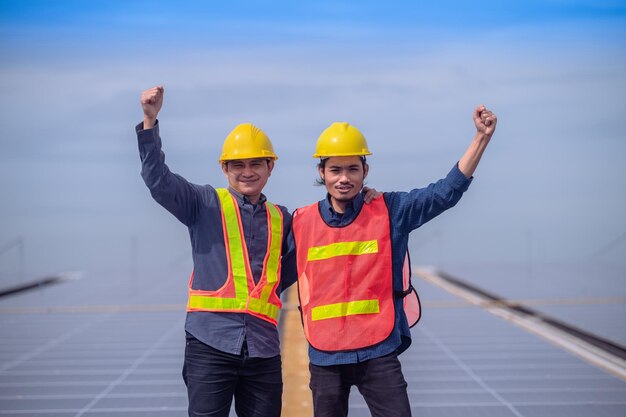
547 201
542 224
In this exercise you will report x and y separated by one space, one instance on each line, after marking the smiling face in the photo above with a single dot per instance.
343 177
248 176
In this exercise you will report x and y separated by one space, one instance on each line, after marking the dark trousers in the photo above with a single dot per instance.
213 378
379 380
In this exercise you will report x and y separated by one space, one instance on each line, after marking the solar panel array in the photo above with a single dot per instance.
108 345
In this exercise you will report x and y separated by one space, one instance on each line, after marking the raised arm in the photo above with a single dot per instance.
413 209
485 122
170 190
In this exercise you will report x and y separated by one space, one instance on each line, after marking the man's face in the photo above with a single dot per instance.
343 176
248 176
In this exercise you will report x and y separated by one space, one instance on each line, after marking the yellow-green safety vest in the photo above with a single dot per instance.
239 293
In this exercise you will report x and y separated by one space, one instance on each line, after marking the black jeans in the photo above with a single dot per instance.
379 380
213 378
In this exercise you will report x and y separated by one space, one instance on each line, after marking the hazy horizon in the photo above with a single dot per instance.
407 74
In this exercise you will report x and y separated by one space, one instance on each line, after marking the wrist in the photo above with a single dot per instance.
149 122
481 137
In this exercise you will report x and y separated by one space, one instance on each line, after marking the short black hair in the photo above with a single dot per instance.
322 164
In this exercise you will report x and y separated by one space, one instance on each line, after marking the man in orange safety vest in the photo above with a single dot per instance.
350 259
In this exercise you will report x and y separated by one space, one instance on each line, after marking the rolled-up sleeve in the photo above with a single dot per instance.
412 209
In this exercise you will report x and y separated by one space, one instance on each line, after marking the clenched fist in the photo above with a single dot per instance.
151 102
485 121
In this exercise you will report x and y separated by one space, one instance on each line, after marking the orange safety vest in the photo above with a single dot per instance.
239 293
345 278
410 300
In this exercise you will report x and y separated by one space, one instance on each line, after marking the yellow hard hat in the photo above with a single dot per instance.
341 139
247 141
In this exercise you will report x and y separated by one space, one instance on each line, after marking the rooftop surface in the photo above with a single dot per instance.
110 344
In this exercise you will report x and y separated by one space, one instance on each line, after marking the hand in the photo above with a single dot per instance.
485 121
370 194
151 102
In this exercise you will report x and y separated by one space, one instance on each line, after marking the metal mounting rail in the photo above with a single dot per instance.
600 352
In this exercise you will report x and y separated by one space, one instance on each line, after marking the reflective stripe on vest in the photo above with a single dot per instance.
345 278
350 308
239 293
342 248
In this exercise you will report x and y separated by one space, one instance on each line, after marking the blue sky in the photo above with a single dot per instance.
408 74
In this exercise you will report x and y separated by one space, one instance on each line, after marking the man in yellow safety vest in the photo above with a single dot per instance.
239 256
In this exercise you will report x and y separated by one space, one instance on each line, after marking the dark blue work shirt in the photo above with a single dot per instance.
198 207
407 212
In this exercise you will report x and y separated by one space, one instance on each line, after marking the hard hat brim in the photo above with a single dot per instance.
325 155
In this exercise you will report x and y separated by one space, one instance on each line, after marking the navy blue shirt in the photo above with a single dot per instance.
407 212
198 207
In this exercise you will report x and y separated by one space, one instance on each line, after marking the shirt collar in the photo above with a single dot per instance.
352 208
242 199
